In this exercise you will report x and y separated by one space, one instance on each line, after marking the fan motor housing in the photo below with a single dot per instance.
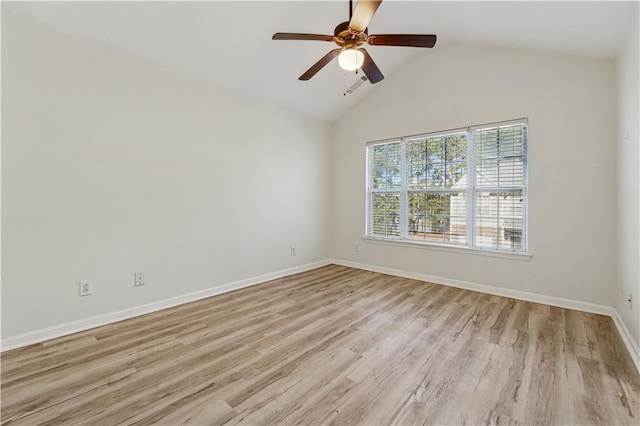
343 32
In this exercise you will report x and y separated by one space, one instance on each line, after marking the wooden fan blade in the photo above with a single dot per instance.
297 36
409 40
362 14
370 68
319 65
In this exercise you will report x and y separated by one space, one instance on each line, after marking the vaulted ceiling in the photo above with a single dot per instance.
229 43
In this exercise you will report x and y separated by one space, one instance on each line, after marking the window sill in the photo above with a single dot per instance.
441 247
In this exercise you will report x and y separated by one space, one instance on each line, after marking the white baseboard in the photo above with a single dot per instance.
560 302
104 319
629 342
483 288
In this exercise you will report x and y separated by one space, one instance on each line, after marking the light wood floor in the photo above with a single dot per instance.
334 345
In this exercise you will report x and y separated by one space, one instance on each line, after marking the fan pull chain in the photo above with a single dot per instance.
344 83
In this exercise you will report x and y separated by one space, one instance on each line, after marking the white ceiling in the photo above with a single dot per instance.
229 43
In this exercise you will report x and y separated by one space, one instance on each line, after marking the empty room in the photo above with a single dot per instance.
320 212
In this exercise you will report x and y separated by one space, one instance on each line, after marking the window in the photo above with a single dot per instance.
465 187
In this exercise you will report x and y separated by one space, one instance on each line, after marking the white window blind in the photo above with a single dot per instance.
386 186
465 187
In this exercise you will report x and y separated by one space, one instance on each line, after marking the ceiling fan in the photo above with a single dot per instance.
349 36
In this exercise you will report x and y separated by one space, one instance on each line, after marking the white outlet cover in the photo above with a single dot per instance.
138 279
86 287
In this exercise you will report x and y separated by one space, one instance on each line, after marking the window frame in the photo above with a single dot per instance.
472 189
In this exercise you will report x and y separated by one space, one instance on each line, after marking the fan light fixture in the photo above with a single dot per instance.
350 59
350 36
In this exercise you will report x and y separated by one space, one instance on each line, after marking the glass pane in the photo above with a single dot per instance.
435 175
417 176
379 181
456 147
499 219
503 142
437 226
436 150
487 219
429 216
378 155
486 204
510 140
500 153
385 214
438 162
458 205
487 174
486 143
456 175
417 152
510 172
457 228
511 205
486 233
437 204
511 236
394 177
417 212
416 164
387 166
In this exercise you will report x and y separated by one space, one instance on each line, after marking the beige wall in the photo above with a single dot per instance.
570 104
628 217
112 165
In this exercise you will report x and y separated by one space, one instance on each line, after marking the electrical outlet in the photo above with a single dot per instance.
86 287
138 279
293 251
356 247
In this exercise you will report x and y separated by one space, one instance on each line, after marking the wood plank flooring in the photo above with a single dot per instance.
334 345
